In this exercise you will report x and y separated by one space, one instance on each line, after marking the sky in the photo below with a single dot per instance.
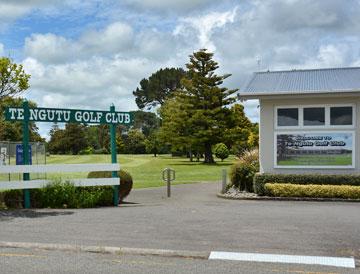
89 54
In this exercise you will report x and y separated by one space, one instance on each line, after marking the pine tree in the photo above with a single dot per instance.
206 102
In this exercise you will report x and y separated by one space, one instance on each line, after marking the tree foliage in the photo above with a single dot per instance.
237 135
72 139
154 90
146 121
202 114
13 79
134 142
11 130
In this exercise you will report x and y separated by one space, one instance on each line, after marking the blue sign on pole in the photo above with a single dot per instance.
20 155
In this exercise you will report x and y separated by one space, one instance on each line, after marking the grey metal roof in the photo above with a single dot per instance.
303 81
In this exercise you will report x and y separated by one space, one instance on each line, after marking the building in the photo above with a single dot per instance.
309 120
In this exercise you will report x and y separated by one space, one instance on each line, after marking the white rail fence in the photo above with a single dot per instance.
6 185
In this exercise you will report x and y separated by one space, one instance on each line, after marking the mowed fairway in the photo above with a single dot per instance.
146 169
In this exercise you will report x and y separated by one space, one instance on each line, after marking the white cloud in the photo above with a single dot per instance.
205 25
50 48
114 38
11 10
93 83
2 51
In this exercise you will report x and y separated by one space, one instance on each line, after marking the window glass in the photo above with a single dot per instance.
288 117
314 116
340 116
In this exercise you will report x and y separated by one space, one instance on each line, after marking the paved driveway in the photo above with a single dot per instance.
195 219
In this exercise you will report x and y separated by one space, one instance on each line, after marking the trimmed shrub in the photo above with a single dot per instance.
60 194
243 171
221 151
126 182
313 191
303 179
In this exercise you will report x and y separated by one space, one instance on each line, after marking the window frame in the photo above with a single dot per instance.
327 124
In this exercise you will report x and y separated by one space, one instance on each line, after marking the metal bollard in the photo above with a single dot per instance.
168 175
223 183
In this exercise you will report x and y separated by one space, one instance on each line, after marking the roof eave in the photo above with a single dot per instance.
263 94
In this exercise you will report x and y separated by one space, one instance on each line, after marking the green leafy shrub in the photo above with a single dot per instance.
313 191
60 194
13 198
244 170
126 181
303 179
221 151
86 151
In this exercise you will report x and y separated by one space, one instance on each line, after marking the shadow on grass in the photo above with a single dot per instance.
6 215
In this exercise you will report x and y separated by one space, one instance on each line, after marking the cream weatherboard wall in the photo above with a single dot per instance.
268 130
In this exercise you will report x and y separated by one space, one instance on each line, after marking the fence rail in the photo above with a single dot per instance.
4 185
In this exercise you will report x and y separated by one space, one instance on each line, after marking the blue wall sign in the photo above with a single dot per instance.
20 155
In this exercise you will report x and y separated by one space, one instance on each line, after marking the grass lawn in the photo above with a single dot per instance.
146 169
318 160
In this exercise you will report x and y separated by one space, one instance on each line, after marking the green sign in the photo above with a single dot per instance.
69 116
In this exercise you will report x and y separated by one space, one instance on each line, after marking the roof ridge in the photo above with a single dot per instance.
304 70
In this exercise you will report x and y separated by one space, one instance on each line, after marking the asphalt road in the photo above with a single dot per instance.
195 219
23 261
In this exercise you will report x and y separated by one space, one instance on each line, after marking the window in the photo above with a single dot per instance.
341 116
288 117
314 116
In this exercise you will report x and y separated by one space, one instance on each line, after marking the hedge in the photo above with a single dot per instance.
303 179
313 191
59 194
126 181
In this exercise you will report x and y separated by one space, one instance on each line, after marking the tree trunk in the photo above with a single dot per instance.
191 155
209 159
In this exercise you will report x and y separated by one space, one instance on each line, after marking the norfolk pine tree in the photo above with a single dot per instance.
206 102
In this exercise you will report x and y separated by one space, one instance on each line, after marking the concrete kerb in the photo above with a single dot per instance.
109 250
267 198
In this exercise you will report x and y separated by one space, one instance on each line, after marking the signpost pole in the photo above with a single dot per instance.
25 143
114 158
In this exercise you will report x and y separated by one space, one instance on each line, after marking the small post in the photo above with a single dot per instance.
114 159
25 145
223 183
168 182
168 175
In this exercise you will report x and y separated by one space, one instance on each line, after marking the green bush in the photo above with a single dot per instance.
221 151
313 191
241 176
86 151
243 171
126 182
303 179
60 194
13 198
